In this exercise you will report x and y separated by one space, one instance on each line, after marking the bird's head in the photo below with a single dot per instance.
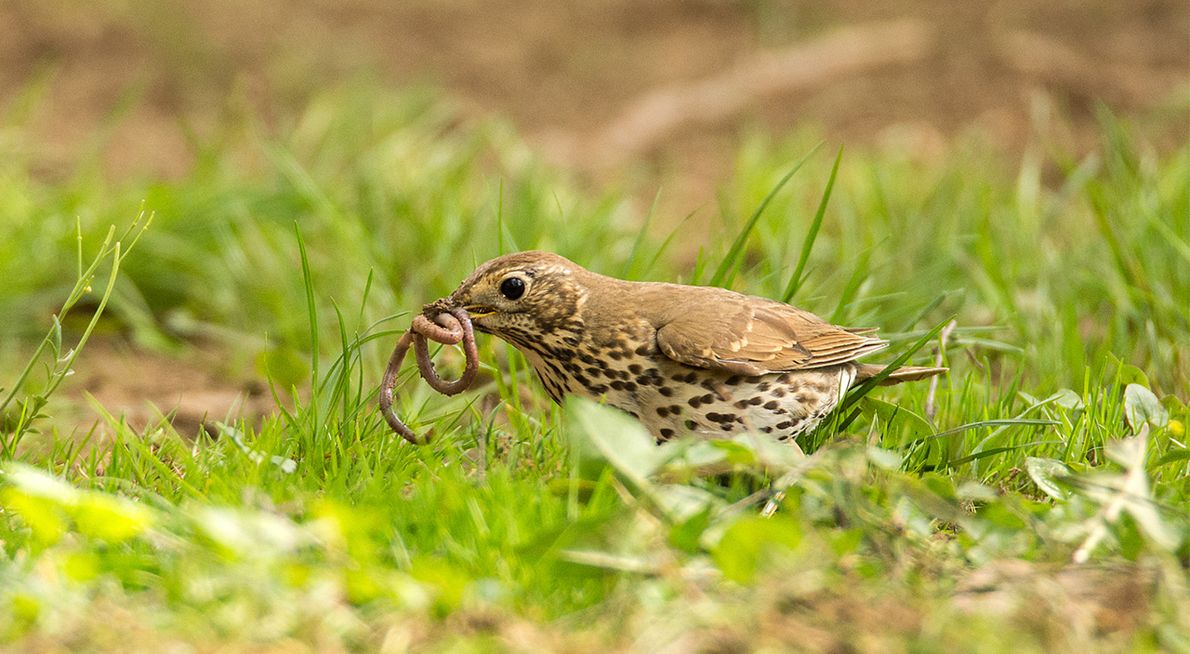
521 295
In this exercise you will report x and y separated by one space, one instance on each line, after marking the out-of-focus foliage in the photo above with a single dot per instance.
941 516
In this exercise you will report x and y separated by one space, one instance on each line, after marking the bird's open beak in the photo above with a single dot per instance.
479 311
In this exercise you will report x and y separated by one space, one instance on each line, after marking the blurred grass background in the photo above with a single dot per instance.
1045 207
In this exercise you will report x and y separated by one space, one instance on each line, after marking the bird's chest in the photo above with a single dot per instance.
630 373
616 368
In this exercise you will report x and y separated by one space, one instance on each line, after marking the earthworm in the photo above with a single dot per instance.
449 327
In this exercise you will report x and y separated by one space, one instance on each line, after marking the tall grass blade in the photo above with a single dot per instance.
863 389
629 270
795 281
729 262
312 314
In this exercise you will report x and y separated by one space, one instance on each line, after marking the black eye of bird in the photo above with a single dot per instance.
512 288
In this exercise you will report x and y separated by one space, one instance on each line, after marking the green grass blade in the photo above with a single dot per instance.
730 261
312 315
629 269
795 280
863 389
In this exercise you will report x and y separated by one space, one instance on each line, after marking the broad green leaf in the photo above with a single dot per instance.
771 453
45 519
737 453
109 518
1130 374
679 501
38 483
1141 406
689 457
46 504
686 534
749 542
616 437
1045 473
1068 399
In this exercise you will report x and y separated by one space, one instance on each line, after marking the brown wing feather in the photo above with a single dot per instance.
755 336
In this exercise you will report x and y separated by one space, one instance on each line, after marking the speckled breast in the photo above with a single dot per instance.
670 398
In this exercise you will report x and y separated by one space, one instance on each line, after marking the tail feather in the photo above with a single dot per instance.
907 373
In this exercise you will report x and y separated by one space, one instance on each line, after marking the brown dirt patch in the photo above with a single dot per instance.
193 389
564 72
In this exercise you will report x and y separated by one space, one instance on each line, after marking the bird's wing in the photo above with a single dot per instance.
752 336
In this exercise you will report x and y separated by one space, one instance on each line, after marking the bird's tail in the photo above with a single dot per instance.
907 373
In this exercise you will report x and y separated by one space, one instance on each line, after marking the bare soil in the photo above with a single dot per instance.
566 72
192 390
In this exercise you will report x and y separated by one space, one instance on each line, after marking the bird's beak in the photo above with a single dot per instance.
479 311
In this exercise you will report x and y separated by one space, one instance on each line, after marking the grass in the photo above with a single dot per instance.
927 519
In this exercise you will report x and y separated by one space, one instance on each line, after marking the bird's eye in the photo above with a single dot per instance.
512 288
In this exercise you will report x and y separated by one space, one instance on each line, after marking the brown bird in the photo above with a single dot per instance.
681 359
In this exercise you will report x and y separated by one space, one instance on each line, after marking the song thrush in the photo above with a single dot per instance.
679 358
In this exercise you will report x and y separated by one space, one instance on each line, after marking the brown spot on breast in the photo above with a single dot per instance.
821 386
